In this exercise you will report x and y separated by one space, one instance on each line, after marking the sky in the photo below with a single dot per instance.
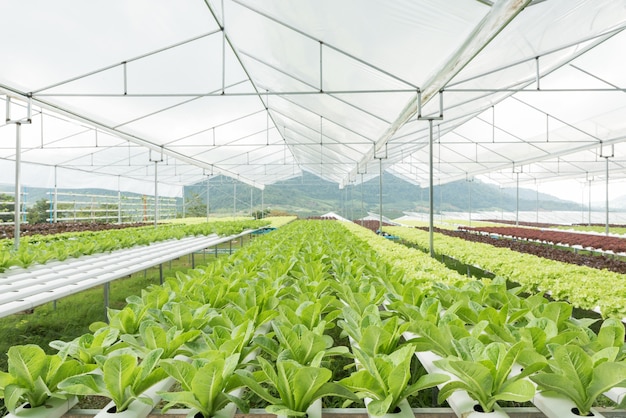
578 191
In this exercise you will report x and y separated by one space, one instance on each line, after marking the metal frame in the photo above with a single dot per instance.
303 152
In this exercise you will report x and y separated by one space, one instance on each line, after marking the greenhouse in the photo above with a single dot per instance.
123 294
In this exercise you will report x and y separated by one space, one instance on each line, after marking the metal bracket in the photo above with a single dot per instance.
382 158
358 169
29 112
154 160
603 151
419 107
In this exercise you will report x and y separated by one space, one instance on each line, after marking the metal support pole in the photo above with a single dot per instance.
55 205
193 260
517 201
469 187
18 185
380 195
251 190
607 196
431 200
262 204
589 217
156 194
161 273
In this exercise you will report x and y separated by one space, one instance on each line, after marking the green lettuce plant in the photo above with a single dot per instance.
306 347
206 286
126 320
153 336
484 372
234 340
309 310
86 347
34 376
185 316
439 337
362 296
6 259
370 331
297 386
611 334
122 378
417 307
206 383
385 379
580 376
258 300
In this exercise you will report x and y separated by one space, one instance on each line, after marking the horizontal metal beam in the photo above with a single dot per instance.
229 94
534 90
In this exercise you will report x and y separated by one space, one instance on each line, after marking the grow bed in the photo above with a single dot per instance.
23 289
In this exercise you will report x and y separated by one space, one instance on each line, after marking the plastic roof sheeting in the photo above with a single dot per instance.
260 91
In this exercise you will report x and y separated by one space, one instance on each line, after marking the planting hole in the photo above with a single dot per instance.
575 411
478 408
112 410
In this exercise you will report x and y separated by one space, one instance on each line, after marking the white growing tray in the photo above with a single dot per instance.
22 289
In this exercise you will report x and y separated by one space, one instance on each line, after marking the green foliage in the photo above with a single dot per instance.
220 313
33 376
580 376
580 286
123 378
373 334
235 340
306 347
384 378
184 316
38 213
298 386
86 347
152 336
41 249
206 383
484 372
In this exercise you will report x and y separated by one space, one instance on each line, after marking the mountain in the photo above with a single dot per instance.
309 195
